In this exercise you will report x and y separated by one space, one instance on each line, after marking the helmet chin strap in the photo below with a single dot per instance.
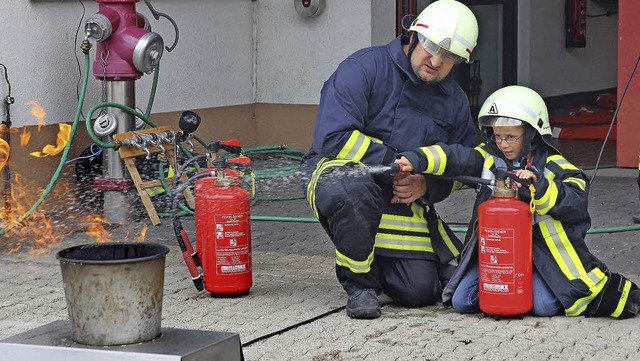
412 44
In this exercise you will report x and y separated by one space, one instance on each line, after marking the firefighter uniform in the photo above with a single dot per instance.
372 108
561 220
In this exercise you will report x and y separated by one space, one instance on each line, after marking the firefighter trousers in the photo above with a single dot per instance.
349 204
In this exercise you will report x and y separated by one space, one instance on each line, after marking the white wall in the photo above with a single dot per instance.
555 69
295 55
211 66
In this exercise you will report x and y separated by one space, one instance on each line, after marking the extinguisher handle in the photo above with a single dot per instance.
504 174
193 270
189 248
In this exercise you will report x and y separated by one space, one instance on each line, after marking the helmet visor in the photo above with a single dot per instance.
436 50
499 122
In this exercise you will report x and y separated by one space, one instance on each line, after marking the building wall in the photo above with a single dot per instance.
253 69
555 69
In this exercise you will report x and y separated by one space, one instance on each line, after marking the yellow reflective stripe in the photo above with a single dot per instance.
403 242
567 259
547 200
623 299
581 304
436 159
353 265
561 248
322 165
415 223
356 146
488 162
561 162
577 181
447 240
456 185
480 150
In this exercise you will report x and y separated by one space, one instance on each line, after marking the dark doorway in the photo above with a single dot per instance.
494 60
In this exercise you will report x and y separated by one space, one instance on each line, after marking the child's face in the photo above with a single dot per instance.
509 140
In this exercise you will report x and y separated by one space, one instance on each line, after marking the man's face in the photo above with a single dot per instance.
428 67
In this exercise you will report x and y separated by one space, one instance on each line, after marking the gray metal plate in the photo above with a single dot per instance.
52 342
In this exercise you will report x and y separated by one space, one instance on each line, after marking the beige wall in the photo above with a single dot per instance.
253 125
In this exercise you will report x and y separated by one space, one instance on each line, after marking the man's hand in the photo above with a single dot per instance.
407 167
408 188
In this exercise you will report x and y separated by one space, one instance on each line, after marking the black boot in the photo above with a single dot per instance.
363 303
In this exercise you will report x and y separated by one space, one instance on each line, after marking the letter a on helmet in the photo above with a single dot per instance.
451 25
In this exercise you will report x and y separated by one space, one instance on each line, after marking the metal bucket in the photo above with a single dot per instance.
114 291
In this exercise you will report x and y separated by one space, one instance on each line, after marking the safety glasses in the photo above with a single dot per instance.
436 50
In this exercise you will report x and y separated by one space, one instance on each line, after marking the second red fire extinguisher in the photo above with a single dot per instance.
504 254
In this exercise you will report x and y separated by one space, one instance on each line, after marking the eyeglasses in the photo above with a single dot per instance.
436 50
509 138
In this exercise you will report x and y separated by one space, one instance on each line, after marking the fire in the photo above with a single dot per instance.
41 230
35 230
25 137
64 133
4 153
37 112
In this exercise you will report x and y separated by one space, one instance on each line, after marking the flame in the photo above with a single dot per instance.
25 136
64 133
37 112
48 224
4 153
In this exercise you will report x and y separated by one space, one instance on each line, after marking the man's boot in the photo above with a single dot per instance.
363 303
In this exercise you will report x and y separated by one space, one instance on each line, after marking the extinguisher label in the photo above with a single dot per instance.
496 260
233 250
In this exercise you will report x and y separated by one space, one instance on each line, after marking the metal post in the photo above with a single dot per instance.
118 205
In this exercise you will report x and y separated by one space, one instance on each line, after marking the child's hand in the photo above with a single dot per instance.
407 167
526 174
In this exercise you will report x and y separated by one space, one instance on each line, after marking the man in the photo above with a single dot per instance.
381 101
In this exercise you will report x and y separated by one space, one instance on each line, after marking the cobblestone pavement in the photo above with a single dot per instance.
295 310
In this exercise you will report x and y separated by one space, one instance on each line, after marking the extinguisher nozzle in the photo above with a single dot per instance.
198 283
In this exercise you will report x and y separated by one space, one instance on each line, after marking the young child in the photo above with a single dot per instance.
566 276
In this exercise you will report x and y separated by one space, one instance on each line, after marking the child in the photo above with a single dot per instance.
566 276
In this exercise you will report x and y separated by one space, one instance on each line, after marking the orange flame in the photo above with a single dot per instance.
25 136
37 112
38 231
4 153
64 133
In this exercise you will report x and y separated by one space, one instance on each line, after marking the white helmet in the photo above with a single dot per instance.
509 105
450 25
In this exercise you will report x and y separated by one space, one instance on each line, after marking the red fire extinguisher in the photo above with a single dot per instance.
223 234
576 23
223 229
505 272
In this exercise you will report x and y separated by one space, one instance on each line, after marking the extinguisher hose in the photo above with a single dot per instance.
190 257
186 164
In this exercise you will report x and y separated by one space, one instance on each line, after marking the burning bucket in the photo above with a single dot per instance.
114 291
